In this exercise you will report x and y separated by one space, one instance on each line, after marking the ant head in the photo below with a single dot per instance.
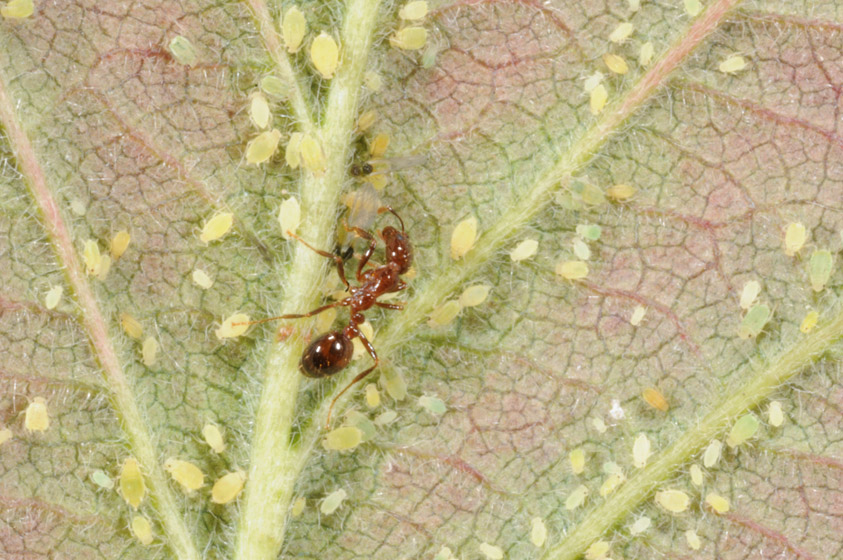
398 248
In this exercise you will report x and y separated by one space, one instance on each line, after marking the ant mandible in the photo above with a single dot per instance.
331 352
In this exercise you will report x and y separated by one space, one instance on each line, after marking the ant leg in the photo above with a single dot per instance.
297 315
336 258
370 250
396 306
371 350
383 209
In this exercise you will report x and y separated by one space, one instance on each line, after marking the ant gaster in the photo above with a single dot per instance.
331 352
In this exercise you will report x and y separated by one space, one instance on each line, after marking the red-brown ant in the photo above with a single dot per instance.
331 352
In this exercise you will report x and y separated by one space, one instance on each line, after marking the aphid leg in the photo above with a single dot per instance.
396 306
336 258
371 350
383 209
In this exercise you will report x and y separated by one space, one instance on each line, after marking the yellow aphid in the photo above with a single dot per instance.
795 236
538 532
641 451
367 331
592 195
274 86
366 120
491 551
394 383
645 53
577 459
298 506
372 80
820 268
581 250
742 430
17 9
615 63
373 397
142 529
776 415
131 326
92 257
622 32
809 322
409 38
692 539
634 5
105 266
379 145
149 351
734 63
263 146
5 435
201 279
655 398
185 473
292 154
342 439
674 501
598 99
572 270
444 314
213 437
611 483
593 81
332 502
293 29
474 295
289 216
259 110
216 227
620 192
640 525
597 551
524 250
693 7
463 238
78 207
638 315
696 475
325 319
712 453
576 498
53 297
414 10
183 50
599 425
228 487
131 482
312 155
233 326
750 293
37 418
325 55
119 244
717 502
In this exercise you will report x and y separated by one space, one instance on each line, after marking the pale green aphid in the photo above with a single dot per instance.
274 86
754 321
343 439
332 502
744 428
819 269
183 51
434 405
102 480
589 232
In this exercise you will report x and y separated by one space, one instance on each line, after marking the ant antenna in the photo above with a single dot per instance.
383 209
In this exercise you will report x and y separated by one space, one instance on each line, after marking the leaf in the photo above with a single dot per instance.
104 131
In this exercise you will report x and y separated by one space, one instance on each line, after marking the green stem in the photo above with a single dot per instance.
275 464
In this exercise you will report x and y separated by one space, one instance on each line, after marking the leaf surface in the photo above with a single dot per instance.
106 130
